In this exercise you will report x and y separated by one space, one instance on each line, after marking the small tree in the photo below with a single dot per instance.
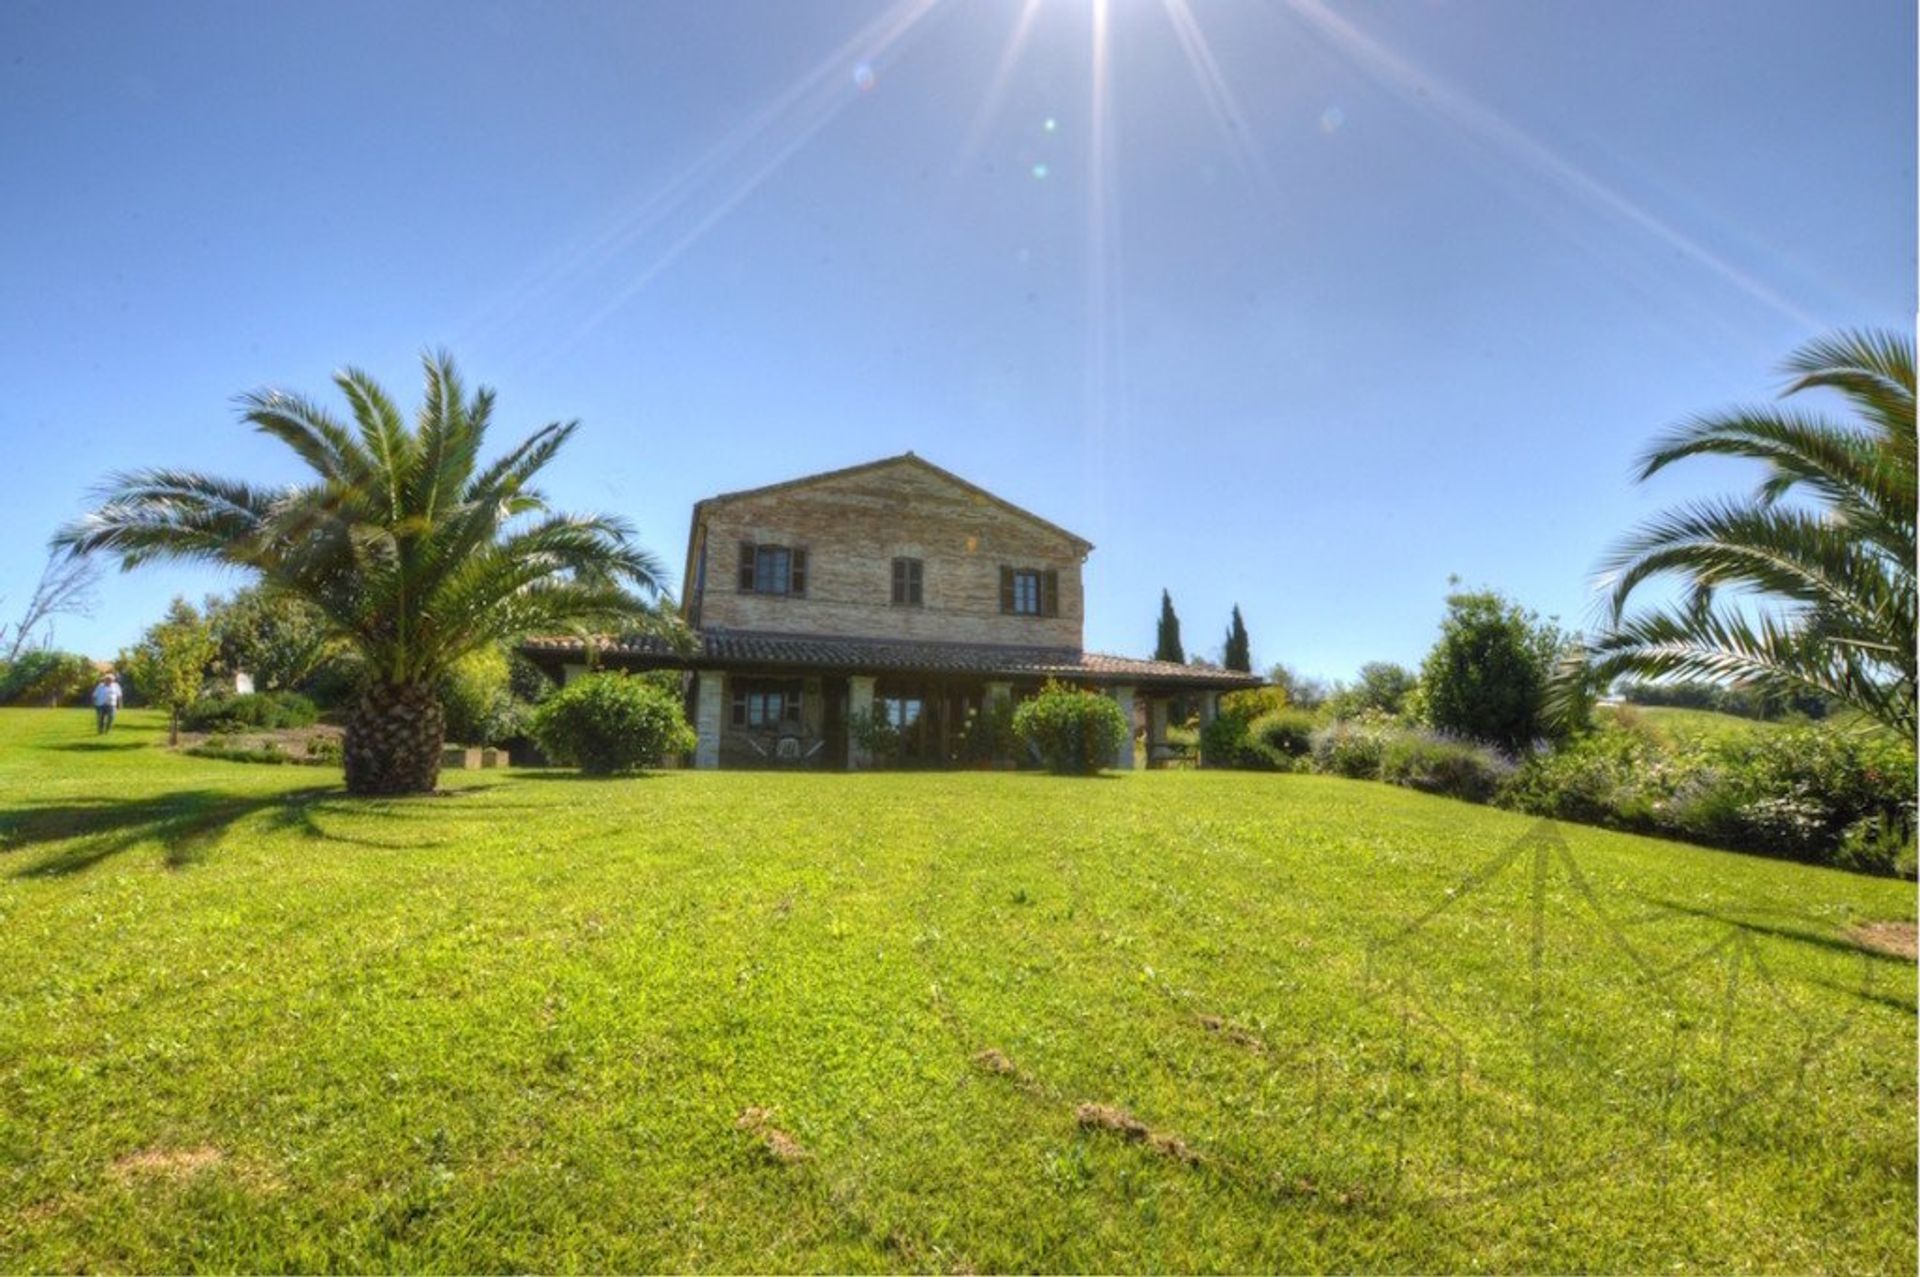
1302 690
168 665
278 638
1382 686
1486 677
877 735
1077 732
1166 645
1238 654
66 588
609 723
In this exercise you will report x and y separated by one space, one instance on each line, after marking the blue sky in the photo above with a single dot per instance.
1301 304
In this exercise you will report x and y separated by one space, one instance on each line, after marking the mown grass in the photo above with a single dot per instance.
788 1022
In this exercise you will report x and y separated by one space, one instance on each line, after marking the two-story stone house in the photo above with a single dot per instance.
893 583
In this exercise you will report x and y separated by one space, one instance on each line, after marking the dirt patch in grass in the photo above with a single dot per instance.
994 1061
1105 1117
1233 1033
167 1163
780 1146
1895 938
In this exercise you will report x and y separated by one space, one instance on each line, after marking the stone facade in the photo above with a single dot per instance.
852 526
934 666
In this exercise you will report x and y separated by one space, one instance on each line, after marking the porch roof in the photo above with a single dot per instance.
759 649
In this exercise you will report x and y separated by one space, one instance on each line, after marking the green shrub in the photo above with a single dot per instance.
263 711
1282 737
476 696
1228 740
608 723
1353 747
1076 732
44 677
1437 764
268 753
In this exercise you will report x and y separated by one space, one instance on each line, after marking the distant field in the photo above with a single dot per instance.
963 1022
1700 723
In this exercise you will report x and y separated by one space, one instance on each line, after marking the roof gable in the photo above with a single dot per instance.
904 459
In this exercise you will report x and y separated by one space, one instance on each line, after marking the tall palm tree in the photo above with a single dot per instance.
415 553
1831 571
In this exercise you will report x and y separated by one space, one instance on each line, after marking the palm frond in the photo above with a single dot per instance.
412 551
1872 369
1840 575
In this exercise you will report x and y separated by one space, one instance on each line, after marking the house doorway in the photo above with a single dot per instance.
833 722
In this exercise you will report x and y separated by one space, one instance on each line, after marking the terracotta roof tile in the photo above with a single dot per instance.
756 648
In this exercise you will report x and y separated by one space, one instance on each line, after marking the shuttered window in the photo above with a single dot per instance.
772 569
1029 591
766 702
907 576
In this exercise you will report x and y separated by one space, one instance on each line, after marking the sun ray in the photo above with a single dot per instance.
1218 96
989 108
800 110
1522 149
1104 320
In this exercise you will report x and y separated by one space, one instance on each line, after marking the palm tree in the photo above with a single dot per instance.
413 551
1838 561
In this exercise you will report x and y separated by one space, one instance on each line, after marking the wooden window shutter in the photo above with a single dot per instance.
1006 589
1050 593
746 567
797 577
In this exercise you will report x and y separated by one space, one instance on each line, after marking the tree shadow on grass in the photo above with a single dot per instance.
1800 929
100 746
186 824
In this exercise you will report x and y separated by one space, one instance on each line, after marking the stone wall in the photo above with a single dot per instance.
852 527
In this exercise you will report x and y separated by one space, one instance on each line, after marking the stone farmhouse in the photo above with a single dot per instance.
893 583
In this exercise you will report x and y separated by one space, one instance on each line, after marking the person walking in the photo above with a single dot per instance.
106 699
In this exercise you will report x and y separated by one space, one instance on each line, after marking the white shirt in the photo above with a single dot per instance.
105 694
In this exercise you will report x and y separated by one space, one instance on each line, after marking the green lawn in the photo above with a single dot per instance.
779 1022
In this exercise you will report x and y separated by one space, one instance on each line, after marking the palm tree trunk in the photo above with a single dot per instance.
394 735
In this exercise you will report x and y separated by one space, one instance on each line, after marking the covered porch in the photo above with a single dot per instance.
820 703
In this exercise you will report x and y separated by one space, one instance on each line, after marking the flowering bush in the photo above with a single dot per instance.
1824 794
1435 763
1353 747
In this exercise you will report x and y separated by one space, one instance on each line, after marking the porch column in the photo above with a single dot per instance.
1209 710
859 710
709 702
1156 729
1123 697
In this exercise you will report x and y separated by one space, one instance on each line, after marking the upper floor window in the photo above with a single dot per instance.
766 702
1029 592
772 569
907 574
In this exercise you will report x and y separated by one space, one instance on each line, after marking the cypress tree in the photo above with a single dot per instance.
1166 646
1239 650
